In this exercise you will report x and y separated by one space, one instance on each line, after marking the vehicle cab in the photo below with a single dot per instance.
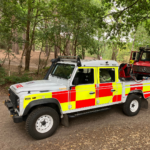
139 65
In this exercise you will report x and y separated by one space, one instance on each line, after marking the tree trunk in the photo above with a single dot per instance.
46 48
8 48
98 54
55 52
29 44
4 60
133 43
39 60
72 50
20 65
114 53
49 51
68 48
75 47
24 39
83 53
16 48
27 48
13 47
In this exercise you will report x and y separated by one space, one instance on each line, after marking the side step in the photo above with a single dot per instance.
88 112
65 119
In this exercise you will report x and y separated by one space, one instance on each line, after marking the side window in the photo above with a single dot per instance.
85 76
107 75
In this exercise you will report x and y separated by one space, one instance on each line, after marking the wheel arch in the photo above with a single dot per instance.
51 102
141 96
137 92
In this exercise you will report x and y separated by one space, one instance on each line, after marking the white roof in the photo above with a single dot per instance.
94 63
99 63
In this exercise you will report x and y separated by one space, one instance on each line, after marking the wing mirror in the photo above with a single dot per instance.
76 81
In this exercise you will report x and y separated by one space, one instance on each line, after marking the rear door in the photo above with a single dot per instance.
107 85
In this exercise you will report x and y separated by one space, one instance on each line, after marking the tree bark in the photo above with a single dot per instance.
27 48
16 48
46 48
114 53
83 53
72 50
75 46
55 52
49 51
28 43
40 60
68 48
24 39
133 43
98 54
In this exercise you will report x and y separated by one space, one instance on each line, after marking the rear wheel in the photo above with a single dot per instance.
42 122
132 105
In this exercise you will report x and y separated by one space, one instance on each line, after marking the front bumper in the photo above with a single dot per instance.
15 116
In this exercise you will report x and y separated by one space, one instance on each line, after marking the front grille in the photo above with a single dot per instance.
13 97
141 69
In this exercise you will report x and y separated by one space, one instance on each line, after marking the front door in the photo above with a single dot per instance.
84 94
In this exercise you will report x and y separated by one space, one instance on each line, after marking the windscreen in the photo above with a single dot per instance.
145 56
63 70
136 56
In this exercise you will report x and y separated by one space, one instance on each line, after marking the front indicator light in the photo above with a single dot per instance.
27 98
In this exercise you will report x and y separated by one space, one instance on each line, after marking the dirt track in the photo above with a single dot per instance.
104 130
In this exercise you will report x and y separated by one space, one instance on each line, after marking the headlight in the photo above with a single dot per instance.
18 103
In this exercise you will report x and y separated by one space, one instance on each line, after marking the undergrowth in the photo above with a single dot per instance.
14 78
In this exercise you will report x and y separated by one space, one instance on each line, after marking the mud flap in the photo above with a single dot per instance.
65 120
144 104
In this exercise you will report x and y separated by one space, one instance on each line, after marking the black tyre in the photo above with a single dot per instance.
42 122
132 106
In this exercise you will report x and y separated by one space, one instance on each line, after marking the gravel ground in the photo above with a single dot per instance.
110 129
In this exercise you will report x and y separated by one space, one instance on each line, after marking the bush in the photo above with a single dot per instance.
2 76
4 79
18 79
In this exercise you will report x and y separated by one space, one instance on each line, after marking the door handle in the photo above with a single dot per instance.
92 93
112 90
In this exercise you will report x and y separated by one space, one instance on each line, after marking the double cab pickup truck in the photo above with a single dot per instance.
73 87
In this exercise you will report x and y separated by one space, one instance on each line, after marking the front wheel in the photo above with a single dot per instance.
42 122
132 105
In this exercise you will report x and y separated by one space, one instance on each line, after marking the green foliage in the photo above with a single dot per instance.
141 37
124 55
2 76
4 79
91 26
